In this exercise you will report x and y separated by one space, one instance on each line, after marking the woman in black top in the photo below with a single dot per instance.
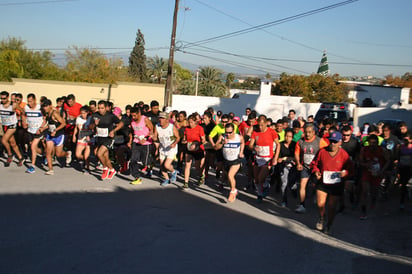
287 165
208 125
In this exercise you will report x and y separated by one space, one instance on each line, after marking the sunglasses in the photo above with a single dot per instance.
3 98
347 135
334 141
225 122
229 132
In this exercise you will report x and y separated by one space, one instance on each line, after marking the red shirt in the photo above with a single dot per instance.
73 111
325 162
194 134
264 140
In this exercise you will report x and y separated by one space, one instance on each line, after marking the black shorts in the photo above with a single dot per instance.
335 189
219 155
31 136
5 128
105 141
228 164
197 155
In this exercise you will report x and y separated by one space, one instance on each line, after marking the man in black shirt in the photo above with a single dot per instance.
352 146
153 116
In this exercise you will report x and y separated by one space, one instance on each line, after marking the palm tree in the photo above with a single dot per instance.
157 65
210 82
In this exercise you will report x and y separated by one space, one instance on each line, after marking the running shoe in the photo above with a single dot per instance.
283 204
50 172
232 196
220 187
68 157
201 180
124 168
9 160
137 181
20 162
260 199
105 173
319 224
111 174
149 173
327 230
45 162
31 170
300 209
165 182
173 177
99 166
185 186
86 171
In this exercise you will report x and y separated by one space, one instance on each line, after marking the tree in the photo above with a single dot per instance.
210 83
291 85
137 59
17 61
87 65
156 65
230 77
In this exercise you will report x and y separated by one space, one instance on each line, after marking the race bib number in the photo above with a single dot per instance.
52 128
102 132
308 158
331 177
263 151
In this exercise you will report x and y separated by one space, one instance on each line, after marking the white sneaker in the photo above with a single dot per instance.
50 172
300 209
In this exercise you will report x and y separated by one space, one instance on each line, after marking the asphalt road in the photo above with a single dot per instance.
75 223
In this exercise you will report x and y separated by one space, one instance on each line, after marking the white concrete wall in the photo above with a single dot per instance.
121 95
382 96
274 107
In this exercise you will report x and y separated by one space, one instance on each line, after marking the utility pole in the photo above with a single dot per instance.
197 81
169 80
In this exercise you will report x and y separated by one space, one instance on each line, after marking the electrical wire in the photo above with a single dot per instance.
270 24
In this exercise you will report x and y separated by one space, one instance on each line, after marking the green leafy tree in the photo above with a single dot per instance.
252 83
156 66
86 65
291 85
210 82
17 61
137 59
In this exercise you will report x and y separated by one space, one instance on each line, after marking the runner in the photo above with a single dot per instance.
330 166
194 138
140 142
83 134
305 151
287 165
375 161
262 142
232 145
33 121
168 137
9 122
104 122
55 136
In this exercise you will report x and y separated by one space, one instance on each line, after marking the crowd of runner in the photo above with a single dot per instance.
292 154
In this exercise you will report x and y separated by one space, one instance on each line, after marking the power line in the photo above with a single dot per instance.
270 24
274 34
36 2
208 49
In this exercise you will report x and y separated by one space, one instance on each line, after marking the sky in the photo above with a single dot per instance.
362 38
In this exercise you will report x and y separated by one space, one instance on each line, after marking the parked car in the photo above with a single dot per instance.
337 111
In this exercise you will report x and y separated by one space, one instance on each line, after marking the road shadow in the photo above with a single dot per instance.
162 230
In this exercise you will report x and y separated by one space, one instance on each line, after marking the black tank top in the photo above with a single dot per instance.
54 124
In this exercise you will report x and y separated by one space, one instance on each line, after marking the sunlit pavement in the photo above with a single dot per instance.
70 222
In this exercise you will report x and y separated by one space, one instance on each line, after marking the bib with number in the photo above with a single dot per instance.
331 177
102 132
